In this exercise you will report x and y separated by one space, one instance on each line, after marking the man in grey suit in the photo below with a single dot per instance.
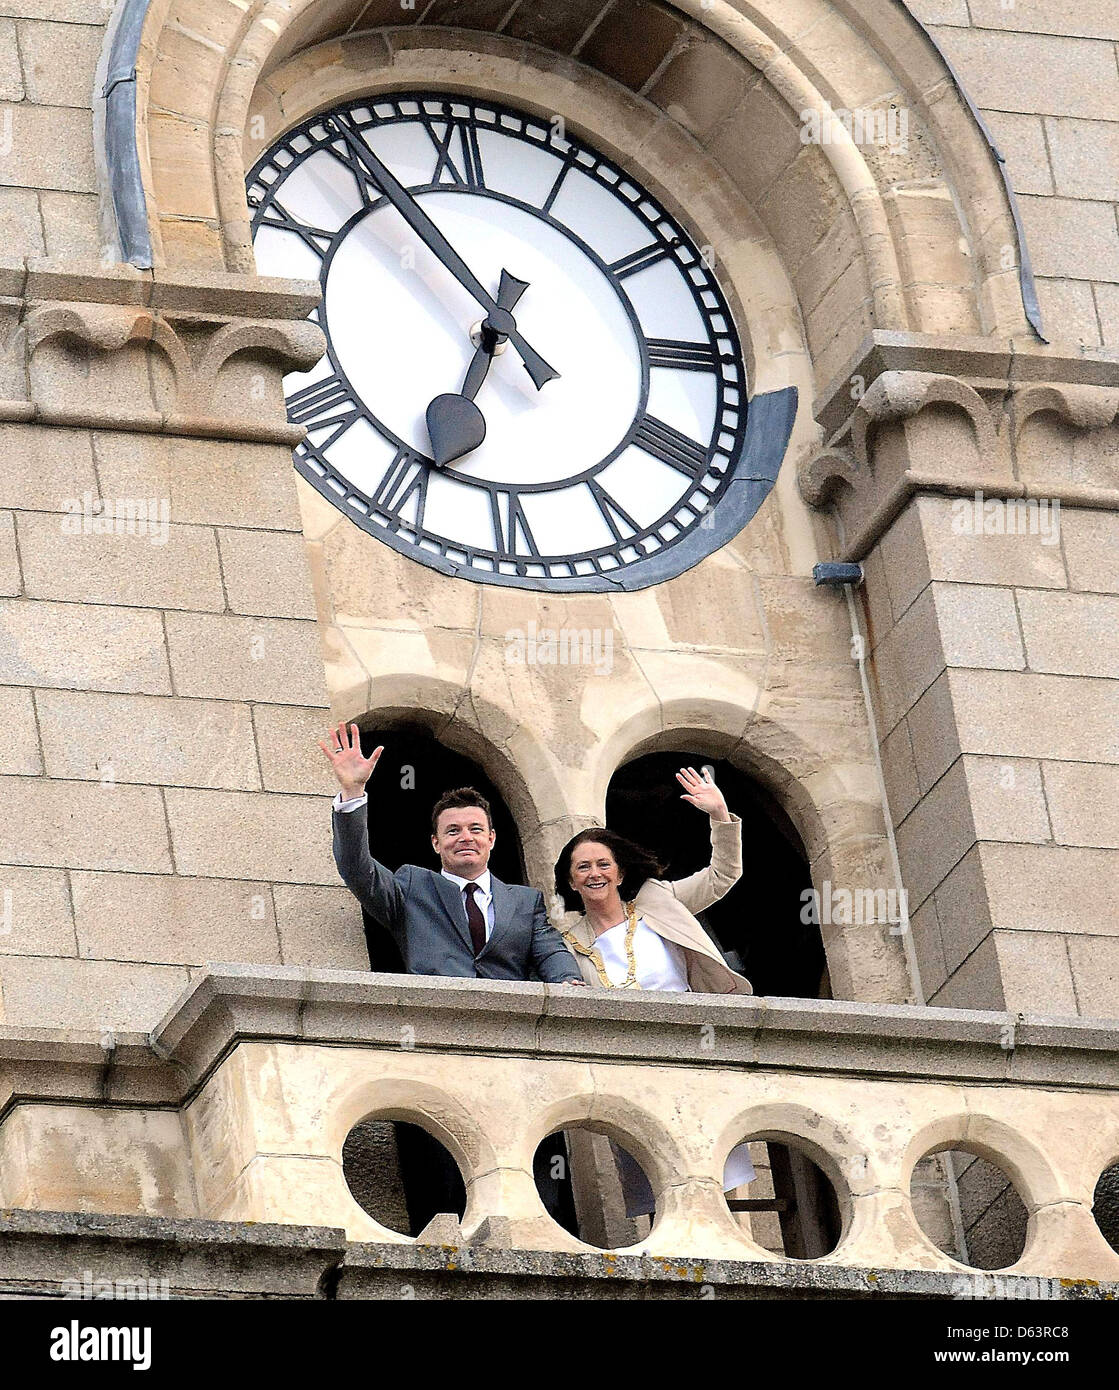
461 921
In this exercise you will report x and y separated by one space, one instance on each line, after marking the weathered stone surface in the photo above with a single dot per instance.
287 743
197 1259
1034 966
936 834
82 646
11 582
174 921
240 485
1021 141
35 914
255 835
1051 888
45 469
50 147
143 561
1033 73
1083 803
1090 540
1071 634
1095 972
266 574
45 992
1020 714
83 825
978 626
59 61
137 738
234 658
1072 237
320 927
1092 18
1007 799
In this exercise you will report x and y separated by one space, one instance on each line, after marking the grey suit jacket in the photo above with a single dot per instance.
424 912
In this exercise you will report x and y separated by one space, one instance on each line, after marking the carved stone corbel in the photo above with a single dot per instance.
1083 407
823 475
902 395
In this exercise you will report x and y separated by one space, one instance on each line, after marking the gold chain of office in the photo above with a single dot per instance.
591 952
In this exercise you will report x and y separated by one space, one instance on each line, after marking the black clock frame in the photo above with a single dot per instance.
736 477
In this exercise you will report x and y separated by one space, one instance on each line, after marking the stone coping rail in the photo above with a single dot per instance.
45 1253
230 1003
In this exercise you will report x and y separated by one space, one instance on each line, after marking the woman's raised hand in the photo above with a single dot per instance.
701 791
344 754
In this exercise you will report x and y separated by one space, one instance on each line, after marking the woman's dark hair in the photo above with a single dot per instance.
637 866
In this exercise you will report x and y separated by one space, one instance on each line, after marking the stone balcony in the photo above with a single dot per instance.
236 1108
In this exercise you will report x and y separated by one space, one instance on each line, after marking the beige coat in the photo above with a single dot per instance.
668 908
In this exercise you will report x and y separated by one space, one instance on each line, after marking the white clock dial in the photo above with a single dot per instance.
577 485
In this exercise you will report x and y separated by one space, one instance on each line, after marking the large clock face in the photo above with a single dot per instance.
606 475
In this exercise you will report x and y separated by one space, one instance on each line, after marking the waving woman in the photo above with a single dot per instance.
636 929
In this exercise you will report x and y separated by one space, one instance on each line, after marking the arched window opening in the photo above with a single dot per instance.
414 771
759 925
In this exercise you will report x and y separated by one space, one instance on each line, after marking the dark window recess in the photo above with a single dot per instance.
414 771
758 924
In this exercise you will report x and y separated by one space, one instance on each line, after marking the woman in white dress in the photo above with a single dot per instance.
637 930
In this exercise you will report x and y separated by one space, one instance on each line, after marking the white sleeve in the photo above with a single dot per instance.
354 802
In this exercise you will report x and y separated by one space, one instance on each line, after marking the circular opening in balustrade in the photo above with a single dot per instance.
594 1188
401 1175
782 1199
969 1208
1105 1205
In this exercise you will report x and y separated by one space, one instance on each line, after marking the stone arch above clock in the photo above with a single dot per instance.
915 241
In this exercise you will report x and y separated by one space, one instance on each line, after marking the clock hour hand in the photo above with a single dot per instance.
537 368
455 425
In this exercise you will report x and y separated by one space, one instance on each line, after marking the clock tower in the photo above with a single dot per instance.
561 391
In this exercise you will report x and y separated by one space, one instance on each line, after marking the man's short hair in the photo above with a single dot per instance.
458 799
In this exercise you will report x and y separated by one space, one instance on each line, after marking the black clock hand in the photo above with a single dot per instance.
540 371
455 425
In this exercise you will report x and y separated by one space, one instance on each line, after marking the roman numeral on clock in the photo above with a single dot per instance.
640 260
406 477
341 151
469 173
613 512
684 357
326 402
671 447
510 525
276 215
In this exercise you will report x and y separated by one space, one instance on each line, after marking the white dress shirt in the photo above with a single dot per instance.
659 964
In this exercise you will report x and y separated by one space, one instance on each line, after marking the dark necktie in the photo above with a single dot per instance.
475 919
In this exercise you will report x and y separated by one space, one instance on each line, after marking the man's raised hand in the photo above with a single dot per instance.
343 751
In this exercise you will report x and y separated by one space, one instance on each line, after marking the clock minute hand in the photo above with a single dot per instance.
538 369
